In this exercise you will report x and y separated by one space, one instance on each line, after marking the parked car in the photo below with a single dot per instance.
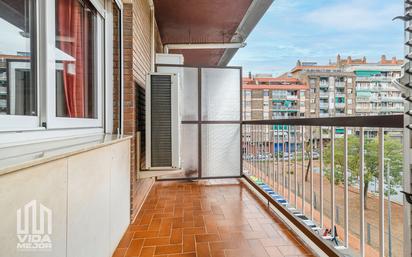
315 156
286 156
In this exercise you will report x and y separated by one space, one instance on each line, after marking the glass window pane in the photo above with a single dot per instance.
220 150
18 91
220 94
189 90
188 152
76 88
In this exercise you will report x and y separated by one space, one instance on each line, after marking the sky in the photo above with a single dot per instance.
318 30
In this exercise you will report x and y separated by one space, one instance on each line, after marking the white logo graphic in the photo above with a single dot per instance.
34 227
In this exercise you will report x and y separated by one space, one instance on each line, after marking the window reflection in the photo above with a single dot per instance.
18 92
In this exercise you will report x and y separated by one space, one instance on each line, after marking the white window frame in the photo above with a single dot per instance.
25 122
9 122
46 126
52 121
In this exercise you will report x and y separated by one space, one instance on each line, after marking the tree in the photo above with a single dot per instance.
393 152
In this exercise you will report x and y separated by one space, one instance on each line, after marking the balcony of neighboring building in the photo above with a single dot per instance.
340 84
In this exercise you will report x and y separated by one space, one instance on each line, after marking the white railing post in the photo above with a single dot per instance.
283 163
296 168
361 192
346 187
321 176
303 170
332 180
277 160
311 172
381 161
289 182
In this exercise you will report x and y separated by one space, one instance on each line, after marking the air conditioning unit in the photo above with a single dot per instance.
163 121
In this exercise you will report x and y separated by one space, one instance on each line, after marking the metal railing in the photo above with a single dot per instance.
312 176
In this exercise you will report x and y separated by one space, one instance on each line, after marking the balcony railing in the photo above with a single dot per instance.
340 84
324 105
374 79
324 84
321 177
340 105
324 94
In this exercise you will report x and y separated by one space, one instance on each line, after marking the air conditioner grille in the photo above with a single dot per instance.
161 120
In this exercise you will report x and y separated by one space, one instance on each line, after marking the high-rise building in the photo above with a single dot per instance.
375 92
351 87
266 97
331 89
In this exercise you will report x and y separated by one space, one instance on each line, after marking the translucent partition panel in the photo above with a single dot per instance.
189 90
220 150
220 94
189 149
189 153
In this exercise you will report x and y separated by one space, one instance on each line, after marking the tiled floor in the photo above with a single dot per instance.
212 218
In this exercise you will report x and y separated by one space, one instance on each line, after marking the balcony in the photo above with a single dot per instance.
310 194
395 99
340 84
292 97
324 84
374 79
323 105
239 188
340 94
324 95
363 109
207 218
340 105
392 109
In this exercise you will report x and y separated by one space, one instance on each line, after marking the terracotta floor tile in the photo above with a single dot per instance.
208 218
145 234
202 250
134 228
176 236
292 250
189 243
127 238
119 252
273 251
168 249
207 238
134 248
193 254
194 230
157 241
147 252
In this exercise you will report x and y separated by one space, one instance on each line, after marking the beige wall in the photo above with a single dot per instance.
87 193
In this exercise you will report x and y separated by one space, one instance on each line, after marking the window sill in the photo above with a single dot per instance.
24 156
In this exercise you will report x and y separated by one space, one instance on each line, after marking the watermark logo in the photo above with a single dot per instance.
34 227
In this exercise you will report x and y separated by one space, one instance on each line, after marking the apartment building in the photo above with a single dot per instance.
266 97
375 92
351 87
330 89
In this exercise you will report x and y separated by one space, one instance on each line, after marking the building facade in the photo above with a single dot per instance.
268 98
351 87
331 90
375 92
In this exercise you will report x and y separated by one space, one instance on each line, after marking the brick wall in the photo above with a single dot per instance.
137 39
116 71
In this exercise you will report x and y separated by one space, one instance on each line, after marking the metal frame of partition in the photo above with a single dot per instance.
359 122
201 122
